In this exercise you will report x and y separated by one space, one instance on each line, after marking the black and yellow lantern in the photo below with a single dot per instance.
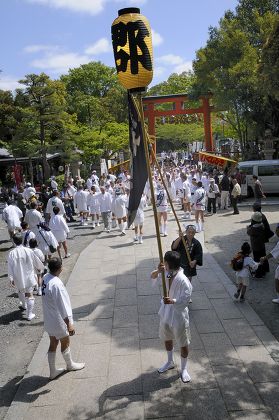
132 46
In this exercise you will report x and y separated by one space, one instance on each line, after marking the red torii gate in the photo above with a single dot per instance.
177 101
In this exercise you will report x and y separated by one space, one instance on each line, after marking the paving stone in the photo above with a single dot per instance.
126 281
128 407
250 315
96 359
251 415
126 297
200 371
166 398
204 404
126 269
206 321
196 343
269 392
219 349
216 291
125 316
104 291
124 376
145 288
98 331
152 354
226 308
148 326
258 363
148 304
268 340
102 309
240 332
124 341
200 301
237 388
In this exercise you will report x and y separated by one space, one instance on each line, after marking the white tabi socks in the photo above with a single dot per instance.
201 226
22 300
165 229
140 239
30 307
69 362
170 363
53 372
185 377
161 230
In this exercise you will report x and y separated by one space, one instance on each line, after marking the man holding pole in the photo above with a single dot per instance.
174 314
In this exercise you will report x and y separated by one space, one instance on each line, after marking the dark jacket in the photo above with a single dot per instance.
267 231
225 183
257 236
196 253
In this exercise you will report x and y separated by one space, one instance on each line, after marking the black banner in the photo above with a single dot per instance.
138 168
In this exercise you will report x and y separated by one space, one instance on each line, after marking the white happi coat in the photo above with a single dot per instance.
54 202
177 315
33 217
12 215
59 227
105 201
46 238
80 200
22 266
119 206
94 203
56 306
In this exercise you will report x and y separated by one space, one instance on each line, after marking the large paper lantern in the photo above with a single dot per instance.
132 46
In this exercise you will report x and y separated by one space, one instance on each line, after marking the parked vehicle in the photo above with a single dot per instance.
267 172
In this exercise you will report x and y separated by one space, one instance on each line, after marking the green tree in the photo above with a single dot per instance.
43 103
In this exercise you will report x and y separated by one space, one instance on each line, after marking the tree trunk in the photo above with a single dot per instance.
45 165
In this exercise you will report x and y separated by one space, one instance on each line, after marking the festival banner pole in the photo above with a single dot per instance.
147 140
132 46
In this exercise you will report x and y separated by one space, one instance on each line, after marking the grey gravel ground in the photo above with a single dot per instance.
20 338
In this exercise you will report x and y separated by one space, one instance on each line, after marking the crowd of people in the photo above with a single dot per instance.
37 222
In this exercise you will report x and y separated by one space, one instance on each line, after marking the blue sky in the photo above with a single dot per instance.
52 36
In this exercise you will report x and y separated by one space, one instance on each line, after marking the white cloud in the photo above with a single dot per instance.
170 59
31 49
99 47
86 6
184 66
157 39
9 83
60 63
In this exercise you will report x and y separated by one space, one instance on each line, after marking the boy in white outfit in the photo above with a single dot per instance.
119 209
80 203
94 205
60 230
33 244
58 318
139 220
22 266
174 314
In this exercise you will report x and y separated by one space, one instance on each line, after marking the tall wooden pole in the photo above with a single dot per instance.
138 105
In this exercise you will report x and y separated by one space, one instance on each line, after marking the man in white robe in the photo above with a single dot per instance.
54 201
58 318
174 314
22 265
80 203
33 218
12 215
105 200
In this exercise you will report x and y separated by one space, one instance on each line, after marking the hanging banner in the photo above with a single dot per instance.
138 167
104 168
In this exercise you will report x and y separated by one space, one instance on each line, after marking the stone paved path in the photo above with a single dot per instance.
232 359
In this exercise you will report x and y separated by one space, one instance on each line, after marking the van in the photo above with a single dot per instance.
266 170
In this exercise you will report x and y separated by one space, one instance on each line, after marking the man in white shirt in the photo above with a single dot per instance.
212 192
12 215
28 191
80 203
54 201
58 318
186 198
105 199
33 217
235 194
22 265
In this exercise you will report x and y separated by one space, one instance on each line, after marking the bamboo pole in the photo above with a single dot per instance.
139 109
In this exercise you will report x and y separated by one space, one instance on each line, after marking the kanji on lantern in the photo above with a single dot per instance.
134 34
